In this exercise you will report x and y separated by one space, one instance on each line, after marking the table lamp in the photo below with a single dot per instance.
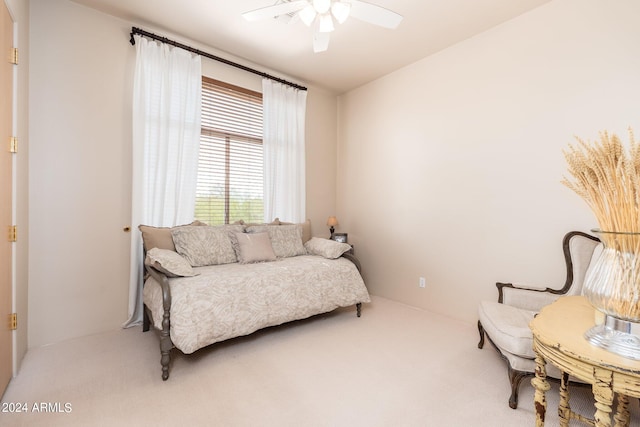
332 222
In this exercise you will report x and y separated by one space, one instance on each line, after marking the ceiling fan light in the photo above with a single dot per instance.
322 6
307 15
340 11
326 23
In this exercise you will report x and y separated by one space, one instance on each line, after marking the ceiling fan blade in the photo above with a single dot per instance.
275 10
374 14
320 41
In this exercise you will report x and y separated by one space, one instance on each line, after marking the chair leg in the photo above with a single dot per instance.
481 330
515 378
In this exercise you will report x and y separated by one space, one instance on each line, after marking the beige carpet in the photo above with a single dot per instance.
394 366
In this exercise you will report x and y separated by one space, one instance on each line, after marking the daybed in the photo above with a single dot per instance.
207 284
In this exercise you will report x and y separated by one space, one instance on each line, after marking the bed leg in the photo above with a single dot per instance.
165 359
359 309
146 323
165 356
165 346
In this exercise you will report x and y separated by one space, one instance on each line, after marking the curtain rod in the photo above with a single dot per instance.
165 40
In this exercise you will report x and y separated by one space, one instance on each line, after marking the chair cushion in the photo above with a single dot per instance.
529 365
508 327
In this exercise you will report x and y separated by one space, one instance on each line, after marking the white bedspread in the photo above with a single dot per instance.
231 300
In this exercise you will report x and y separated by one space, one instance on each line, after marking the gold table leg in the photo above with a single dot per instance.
603 393
564 411
622 416
541 385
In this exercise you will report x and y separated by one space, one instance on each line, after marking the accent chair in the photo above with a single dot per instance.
506 322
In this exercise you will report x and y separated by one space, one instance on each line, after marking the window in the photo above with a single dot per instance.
230 178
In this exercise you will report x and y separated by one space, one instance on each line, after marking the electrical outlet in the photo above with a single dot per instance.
422 282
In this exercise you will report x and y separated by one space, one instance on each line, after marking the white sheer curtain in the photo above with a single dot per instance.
166 136
284 109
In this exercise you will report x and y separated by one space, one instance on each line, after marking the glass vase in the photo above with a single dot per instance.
612 286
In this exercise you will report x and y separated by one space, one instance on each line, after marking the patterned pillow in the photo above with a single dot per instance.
169 262
327 248
253 247
306 228
285 239
205 245
160 237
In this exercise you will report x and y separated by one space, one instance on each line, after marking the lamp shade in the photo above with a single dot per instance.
332 221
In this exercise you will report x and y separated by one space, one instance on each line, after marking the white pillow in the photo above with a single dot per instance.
169 262
327 248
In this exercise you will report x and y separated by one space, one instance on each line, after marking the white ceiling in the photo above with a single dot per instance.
358 52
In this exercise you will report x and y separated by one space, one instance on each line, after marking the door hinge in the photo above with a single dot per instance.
13 321
13 233
14 56
13 144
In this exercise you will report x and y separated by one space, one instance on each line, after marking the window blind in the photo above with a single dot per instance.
230 166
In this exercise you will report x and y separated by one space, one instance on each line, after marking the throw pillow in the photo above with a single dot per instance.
253 247
169 263
205 245
306 229
160 237
249 224
285 239
326 248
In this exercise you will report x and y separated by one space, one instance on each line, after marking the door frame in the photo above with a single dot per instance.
10 35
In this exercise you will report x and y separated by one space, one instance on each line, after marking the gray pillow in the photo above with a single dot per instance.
169 262
205 245
326 248
253 247
306 228
160 237
285 239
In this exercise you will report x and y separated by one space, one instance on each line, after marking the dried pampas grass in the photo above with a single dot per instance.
607 177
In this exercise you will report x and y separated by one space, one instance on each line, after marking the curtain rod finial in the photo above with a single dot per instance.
132 40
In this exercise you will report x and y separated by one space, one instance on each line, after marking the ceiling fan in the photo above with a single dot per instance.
321 15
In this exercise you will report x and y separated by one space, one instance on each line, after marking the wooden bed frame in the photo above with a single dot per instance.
166 345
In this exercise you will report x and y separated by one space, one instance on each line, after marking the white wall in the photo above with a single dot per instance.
80 162
80 167
450 168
